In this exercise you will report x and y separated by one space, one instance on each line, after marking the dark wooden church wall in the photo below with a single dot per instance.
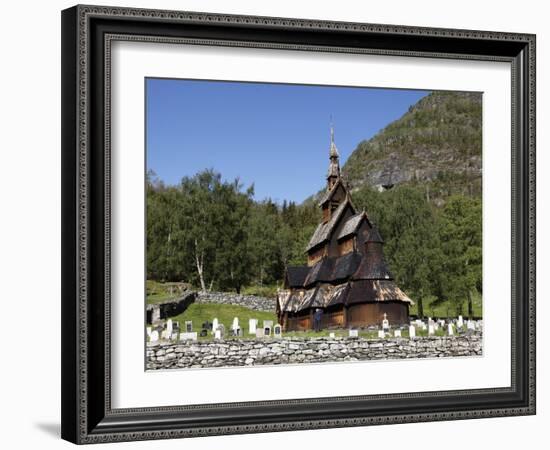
367 314
333 318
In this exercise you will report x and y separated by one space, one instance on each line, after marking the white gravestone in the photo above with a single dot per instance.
450 330
460 322
252 324
149 329
397 333
431 327
332 335
353 333
188 326
218 334
215 324
470 325
412 331
156 314
235 328
175 330
277 331
381 334
154 336
191 336
167 332
259 332
385 323
235 325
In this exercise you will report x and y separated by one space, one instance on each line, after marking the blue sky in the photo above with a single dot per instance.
276 136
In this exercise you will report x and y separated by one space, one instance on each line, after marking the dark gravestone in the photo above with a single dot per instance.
204 333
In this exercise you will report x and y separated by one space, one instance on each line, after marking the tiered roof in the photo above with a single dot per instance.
349 293
324 230
359 276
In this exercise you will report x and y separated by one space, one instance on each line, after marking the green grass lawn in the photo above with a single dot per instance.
160 292
200 313
367 334
447 309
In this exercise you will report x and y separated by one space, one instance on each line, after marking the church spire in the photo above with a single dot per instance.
334 166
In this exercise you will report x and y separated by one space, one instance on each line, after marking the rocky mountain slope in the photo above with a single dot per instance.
436 144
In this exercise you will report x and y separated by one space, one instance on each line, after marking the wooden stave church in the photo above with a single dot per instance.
347 276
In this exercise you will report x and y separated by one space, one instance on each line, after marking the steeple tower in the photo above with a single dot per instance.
334 167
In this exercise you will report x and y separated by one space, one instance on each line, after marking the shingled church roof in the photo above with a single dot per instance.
351 225
296 275
375 291
324 229
328 194
334 269
374 236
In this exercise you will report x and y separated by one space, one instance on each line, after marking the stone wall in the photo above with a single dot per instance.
227 298
169 308
248 352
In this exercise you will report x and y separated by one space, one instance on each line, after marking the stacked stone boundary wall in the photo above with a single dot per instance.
227 298
169 308
164 355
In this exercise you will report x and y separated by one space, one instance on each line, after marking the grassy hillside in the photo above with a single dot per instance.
436 144
158 292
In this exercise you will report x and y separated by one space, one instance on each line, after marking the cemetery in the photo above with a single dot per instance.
172 344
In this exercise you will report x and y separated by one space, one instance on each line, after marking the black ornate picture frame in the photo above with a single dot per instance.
87 34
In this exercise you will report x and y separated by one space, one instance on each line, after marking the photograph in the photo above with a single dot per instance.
287 219
295 224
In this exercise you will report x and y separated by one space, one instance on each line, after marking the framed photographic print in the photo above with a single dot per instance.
279 224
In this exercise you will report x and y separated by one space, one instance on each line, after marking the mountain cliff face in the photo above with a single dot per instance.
435 145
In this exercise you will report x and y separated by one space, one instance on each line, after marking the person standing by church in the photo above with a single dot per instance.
317 316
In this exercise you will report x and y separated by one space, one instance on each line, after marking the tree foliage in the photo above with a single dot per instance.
213 234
